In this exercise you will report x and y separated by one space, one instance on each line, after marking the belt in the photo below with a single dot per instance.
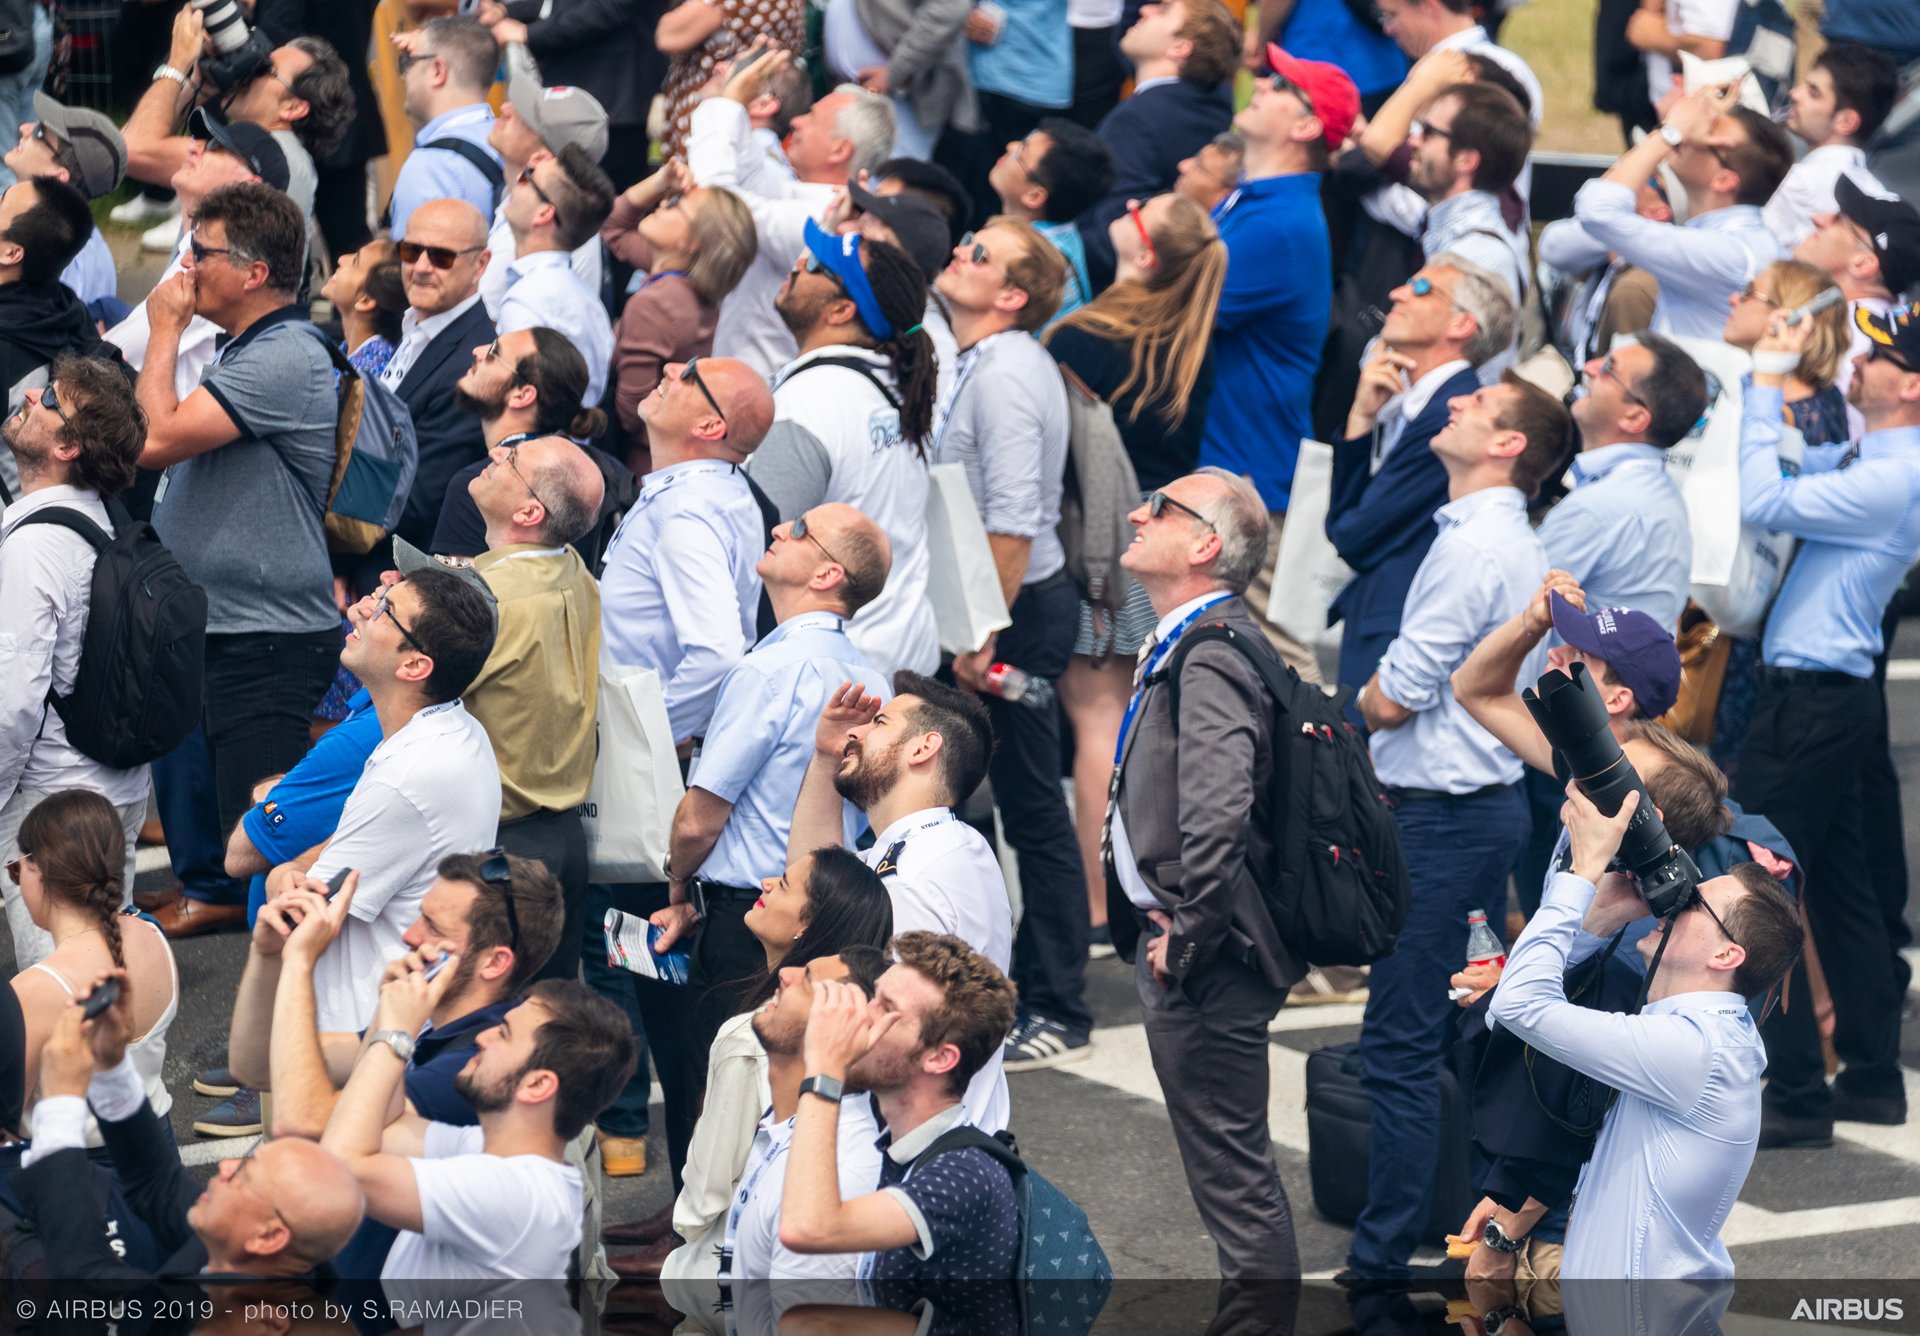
1396 795
1809 677
705 892
540 814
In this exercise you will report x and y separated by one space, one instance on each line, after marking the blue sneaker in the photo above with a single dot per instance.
238 1115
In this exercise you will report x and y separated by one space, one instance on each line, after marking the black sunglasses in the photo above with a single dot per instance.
408 59
50 398
440 257
1157 503
200 253
799 530
526 179
812 265
1880 353
495 871
690 372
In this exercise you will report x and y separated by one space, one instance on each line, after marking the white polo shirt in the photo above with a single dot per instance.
942 877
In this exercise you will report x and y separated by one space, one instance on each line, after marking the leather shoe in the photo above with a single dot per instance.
1880 1110
1779 1131
623 1157
156 900
646 1263
637 1233
187 917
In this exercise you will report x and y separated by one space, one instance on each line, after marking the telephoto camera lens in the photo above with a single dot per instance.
1574 718
226 25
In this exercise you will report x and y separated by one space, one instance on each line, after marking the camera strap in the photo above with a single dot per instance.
1599 965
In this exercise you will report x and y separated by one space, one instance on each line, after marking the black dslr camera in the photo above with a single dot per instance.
1574 719
241 54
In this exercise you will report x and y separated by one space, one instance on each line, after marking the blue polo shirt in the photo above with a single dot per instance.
304 807
1268 333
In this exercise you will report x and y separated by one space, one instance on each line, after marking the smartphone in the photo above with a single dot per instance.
438 965
1821 301
100 999
336 881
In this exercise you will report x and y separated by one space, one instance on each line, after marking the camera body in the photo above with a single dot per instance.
1574 719
241 53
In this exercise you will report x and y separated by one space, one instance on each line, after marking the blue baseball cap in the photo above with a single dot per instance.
840 256
1640 651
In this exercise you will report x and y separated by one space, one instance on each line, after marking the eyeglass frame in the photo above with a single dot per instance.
383 607
496 871
690 372
200 252
1280 83
1606 369
526 178
511 451
51 399
1139 215
1748 292
1158 501
13 864
432 253
976 250
798 529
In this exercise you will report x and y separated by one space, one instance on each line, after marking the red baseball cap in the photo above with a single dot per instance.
1329 91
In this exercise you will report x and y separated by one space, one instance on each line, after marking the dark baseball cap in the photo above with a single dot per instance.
1897 331
1638 649
92 142
1892 227
921 230
246 141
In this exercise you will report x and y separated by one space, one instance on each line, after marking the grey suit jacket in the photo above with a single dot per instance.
1198 812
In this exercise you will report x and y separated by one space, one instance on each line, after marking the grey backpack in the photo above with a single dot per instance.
1100 491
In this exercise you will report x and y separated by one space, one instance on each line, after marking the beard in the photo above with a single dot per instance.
798 313
776 1036
880 1071
487 1098
487 410
872 775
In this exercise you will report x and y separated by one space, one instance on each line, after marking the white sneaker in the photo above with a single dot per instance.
144 211
162 236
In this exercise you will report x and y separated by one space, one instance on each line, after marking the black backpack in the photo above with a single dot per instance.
143 659
1341 894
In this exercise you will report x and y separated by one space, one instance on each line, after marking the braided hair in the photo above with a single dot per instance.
901 290
76 841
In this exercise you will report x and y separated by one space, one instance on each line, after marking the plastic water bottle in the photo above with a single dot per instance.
1483 948
1010 684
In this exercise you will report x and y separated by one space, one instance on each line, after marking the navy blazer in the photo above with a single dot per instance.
1148 135
450 438
1382 525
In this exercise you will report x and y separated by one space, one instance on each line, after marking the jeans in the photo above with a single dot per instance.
1459 851
17 90
183 786
1050 946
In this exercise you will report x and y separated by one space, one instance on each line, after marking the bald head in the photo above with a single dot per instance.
860 544
744 398
444 225
569 484
285 1209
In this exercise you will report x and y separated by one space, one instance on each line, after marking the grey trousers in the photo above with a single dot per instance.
31 944
1208 1038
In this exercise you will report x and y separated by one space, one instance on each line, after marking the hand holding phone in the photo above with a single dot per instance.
337 880
1821 301
100 999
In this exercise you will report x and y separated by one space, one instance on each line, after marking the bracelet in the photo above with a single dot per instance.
1774 361
169 72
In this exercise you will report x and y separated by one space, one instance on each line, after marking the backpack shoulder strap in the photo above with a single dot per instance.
1271 671
851 364
481 160
68 518
967 1137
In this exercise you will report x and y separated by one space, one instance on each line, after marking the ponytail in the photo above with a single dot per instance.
80 850
901 290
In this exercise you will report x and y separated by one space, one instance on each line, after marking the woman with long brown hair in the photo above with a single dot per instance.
1142 346
71 864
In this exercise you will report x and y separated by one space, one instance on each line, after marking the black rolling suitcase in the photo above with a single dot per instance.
1339 1114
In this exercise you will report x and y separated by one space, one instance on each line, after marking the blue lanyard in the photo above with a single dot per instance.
651 279
1159 652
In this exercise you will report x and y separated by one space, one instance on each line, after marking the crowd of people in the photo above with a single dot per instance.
815 404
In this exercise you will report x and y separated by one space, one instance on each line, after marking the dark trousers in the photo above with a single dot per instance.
971 156
340 208
625 160
183 789
1459 851
1208 1038
1886 835
728 965
1097 75
1050 947
557 840
1803 768
1545 798
653 1008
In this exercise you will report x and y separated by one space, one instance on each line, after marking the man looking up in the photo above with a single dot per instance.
908 765
1212 171
1050 179
1848 91
83 148
44 223
1459 807
447 65
554 205
1870 247
1273 310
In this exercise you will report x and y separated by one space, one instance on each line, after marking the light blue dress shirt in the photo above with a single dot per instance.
1699 264
1677 1144
1481 570
543 290
1622 532
1860 531
679 594
760 741
1079 289
1031 60
92 275
443 174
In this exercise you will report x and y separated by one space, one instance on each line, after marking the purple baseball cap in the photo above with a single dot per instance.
1640 651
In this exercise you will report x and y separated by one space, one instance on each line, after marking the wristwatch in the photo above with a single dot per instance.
826 1087
1672 136
1494 1319
398 1040
1496 1238
165 71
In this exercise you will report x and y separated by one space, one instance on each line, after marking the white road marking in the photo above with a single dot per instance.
1903 670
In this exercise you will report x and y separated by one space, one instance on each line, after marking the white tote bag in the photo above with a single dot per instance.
1307 572
636 784
963 584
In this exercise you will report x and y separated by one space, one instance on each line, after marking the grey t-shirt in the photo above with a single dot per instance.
1006 425
245 519
302 179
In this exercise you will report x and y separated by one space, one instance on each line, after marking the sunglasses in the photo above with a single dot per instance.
976 251
1748 292
526 179
1280 83
440 257
1135 212
812 265
1421 130
1878 353
408 59
200 253
383 608
1158 502
690 373
799 530
50 398
1420 286
1606 369
495 871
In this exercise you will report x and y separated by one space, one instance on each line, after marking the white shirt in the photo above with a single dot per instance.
721 152
195 355
543 289
836 438
1691 18
1405 406
487 1217
753 1216
1808 189
46 575
942 877
588 262
416 332
430 790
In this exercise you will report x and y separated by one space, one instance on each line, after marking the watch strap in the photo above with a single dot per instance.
1497 1239
1671 136
165 71
1496 1318
398 1040
826 1087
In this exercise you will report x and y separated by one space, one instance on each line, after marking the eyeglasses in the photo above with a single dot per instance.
1420 286
408 59
1748 292
1280 83
382 607
1700 902
690 373
495 871
1017 155
511 451
440 257
1606 369
976 251
234 1179
1157 503
526 179
13 865
1139 217
50 398
200 253
1422 130
799 530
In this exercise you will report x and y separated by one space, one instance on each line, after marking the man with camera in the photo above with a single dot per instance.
1678 1141
299 93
